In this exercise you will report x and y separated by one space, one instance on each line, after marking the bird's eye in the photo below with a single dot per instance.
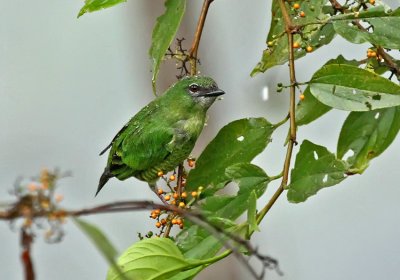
193 88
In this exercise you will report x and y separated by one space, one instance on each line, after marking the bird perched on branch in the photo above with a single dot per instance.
162 134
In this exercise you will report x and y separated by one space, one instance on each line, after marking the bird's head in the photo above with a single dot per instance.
202 90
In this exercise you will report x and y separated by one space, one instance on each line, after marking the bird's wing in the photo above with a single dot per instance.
133 123
141 150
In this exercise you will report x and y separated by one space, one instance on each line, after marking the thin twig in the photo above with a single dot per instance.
26 242
197 37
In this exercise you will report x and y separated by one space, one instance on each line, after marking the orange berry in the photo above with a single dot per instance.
160 173
309 49
302 14
194 194
157 211
301 97
296 45
172 178
179 221
296 6
174 221
167 197
182 204
163 221
191 162
32 187
173 202
373 54
154 215
184 195
158 224
59 197
175 195
160 191
372 2
270 44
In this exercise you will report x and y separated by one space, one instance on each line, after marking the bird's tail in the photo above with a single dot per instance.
104 179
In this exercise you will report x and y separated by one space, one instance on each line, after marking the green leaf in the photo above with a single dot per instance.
318 35
239 141
315 168
197 242
252 213
99 239
95 5
384 31
310 109
350 88
154 259
367 135
164 32
250 178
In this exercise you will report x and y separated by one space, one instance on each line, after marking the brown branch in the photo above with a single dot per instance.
26 242
197 37
290 30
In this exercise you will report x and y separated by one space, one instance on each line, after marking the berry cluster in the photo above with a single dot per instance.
37 199
175 196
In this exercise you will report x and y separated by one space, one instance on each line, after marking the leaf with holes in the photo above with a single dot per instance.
197 242
237 142
154 258
318 35
164 32
315 168
310 109
365 135
350 88
383 31
96 5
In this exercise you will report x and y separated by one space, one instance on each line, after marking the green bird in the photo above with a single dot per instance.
162 134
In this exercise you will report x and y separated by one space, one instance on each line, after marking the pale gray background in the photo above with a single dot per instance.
68 85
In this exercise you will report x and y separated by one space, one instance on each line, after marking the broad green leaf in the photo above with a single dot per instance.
310 108
384 31
154 259
318 35
95 5
366 135
164 32
250 178
197 242
350 88
252 213
99 239
239 141
315 168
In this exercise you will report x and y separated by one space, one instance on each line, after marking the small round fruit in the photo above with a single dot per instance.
160 191
158 224
302 97
167 197
184 195
302 14
296 6
296 45
194 194
181 204
172 178
160 173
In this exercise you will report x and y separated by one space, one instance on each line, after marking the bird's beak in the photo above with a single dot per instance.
213 93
